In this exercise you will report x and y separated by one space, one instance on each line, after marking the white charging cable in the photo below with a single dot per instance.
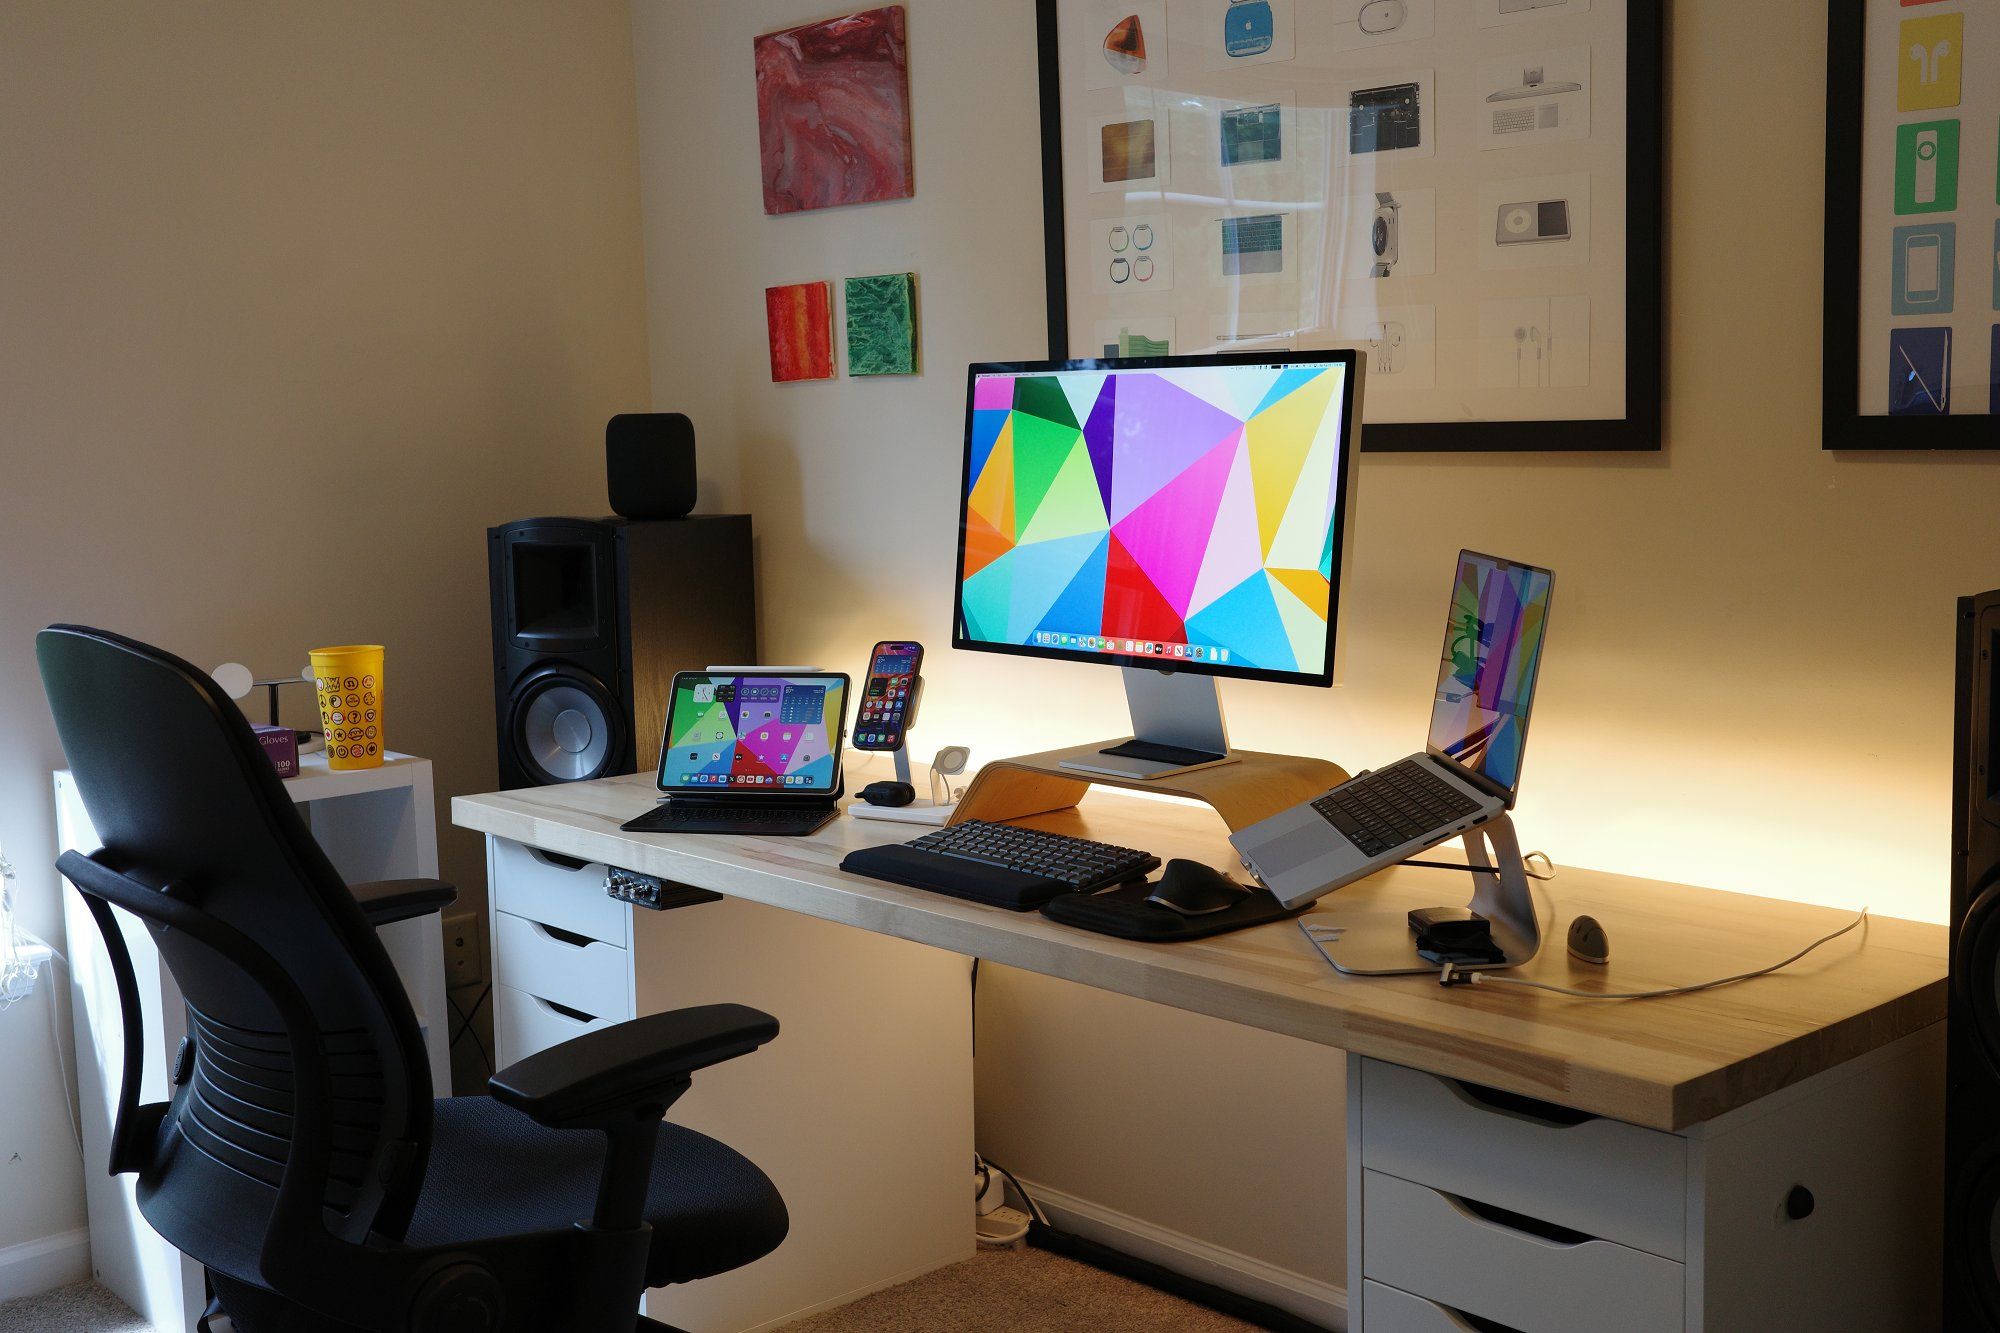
1453 976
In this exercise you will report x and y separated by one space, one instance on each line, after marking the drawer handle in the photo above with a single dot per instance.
1471 1323
576 1016
1509 1220
1516 1104
556 859
558 935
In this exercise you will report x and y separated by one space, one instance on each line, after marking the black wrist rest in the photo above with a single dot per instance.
954 876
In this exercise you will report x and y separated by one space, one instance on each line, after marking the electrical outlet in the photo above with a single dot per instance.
464 951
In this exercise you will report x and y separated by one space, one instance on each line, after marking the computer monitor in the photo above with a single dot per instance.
1183 514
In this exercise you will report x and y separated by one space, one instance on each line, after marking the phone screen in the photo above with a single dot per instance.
888 696
1920 278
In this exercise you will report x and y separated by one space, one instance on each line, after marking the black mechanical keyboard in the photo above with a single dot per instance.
1001 865
1395 805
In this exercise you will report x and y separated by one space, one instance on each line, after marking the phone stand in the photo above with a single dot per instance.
1379 944
932 811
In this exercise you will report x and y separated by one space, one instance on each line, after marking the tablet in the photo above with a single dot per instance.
773 735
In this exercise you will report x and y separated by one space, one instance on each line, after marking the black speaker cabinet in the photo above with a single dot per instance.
1972 1060
591 619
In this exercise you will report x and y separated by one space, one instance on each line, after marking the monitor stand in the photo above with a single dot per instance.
1177 728
1172 710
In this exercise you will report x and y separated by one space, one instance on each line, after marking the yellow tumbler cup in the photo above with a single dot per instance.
348 681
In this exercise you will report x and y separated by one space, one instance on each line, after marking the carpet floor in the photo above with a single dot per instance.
83 1308
1018 1291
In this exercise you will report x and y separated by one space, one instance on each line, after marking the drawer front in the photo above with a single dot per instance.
1433 1245
525 1024
1604 1177
528 883
1389 1310
586 975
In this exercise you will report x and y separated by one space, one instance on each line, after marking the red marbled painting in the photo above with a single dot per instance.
833 112
801 324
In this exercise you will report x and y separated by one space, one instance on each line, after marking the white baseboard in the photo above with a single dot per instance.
36 1266
1309 1298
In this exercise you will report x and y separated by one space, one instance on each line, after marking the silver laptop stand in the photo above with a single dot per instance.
1378 943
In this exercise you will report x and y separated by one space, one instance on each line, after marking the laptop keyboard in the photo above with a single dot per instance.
1391 806
664 817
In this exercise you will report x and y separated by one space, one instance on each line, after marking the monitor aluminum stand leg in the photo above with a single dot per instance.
1379 944
1177 716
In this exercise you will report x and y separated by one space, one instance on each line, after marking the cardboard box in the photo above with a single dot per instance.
281 747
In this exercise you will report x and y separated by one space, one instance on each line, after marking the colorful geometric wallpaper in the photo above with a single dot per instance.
1486 678
746 733
1186 512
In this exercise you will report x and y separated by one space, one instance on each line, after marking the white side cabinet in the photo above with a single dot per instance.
374 824
1817 1207
860 1111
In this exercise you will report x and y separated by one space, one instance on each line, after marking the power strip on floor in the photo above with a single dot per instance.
1005 1225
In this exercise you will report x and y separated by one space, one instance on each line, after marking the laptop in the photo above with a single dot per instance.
1467 773
748 752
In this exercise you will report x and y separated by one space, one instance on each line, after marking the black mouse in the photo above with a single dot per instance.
1194 889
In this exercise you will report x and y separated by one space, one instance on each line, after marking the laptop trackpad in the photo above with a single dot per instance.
1289 851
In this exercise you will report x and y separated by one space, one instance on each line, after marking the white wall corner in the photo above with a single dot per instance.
36 1266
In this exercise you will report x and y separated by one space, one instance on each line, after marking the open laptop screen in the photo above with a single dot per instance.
1486 678
775 735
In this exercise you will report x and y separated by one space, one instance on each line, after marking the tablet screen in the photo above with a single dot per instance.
771 734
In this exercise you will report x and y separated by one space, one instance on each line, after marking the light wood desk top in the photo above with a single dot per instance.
1667 1063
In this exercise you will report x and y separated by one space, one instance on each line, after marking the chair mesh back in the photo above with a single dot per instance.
182 797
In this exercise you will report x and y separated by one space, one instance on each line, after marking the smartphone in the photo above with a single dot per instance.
888 697
1921 277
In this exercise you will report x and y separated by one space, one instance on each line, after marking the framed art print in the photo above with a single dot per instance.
1912 337
1466 190
1469 191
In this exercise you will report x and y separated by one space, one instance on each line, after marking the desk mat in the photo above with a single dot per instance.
1125 913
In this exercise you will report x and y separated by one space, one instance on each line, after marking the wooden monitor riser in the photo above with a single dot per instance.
1253 786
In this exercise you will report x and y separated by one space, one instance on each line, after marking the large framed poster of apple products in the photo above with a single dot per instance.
1912 340
1467 190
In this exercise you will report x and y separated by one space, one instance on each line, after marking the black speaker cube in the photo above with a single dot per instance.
591 619
1972 1058
649 463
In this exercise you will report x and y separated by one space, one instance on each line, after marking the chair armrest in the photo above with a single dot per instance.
642 1063
388 900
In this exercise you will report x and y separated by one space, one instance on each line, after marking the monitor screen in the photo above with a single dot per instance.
773 734
1486 678
1181 512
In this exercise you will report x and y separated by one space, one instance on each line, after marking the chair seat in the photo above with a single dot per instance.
494 1172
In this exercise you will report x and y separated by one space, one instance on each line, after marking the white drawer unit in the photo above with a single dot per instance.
1598 1176
573 970
525 1024
1394 1311
1501 1265
1470 1209
555 891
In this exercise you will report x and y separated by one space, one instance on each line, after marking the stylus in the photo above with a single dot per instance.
1918 376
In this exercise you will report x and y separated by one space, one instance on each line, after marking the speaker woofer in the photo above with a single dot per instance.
1975 970
1972 1232
566 727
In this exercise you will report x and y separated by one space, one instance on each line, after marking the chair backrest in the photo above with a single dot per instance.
306 1054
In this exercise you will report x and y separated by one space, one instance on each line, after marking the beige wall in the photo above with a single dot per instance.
295 300
1748 681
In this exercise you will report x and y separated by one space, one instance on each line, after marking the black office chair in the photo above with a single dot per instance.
302 1159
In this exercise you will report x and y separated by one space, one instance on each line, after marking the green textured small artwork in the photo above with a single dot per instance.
882 324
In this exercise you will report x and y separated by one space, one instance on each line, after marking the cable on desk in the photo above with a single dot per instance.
1450 976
